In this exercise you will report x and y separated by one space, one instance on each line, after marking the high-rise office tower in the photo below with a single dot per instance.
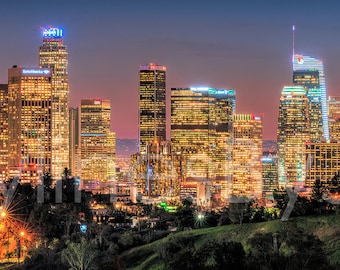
323 162
201 130
29 122
3 131
292 134
309 72
53 55
152 97
269 168
75 150
247 155
98 143
334 118
269 176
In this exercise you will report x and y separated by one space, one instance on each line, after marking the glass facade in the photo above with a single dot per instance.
292 134
152 97
53 55
323 162
247 154
201 130
98 143
3 132
309 72
29 123
269 176
75 149
334 118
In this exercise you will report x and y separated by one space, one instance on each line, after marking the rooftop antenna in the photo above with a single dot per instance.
293 28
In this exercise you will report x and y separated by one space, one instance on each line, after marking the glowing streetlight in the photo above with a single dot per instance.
200 220
3 213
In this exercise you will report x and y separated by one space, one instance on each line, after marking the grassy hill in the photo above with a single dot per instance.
326 228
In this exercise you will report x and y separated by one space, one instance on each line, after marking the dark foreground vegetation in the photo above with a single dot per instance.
301 243
246 235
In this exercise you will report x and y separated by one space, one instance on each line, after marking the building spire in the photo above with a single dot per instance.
293 30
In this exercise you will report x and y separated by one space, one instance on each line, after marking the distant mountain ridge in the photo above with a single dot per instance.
126 147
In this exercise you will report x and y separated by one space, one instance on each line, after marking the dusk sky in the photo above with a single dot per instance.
230 44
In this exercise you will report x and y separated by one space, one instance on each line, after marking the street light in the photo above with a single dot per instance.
199 220
3 213
4 217
19 250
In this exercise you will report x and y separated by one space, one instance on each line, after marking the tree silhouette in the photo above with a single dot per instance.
80 256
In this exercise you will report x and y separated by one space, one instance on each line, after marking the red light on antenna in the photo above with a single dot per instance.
300 60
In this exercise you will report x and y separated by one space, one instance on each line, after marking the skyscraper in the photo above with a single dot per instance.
334 118
152 98
3 132
247 155
292 134
75 149
98 143
29 122
309 72
53 55
269 176
323 162
201 130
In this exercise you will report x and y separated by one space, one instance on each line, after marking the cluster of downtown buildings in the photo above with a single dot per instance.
40 134
217 154
214 152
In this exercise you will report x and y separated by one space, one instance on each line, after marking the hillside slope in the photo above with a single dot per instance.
326 228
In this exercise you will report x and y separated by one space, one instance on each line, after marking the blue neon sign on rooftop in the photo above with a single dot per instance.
53 32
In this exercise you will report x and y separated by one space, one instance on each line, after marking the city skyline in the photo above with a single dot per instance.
244 45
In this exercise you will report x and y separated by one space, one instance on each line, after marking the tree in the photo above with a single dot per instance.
334 184
178 252
129 239
66 173
306 253
45 256
184 217
80 256
317 202
220 254
263 251
281 198
239 209
293 249
47 181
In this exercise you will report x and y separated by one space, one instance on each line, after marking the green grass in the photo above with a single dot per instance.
326 228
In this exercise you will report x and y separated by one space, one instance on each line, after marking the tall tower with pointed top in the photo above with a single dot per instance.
53 55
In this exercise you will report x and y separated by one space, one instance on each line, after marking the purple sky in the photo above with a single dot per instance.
235 44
